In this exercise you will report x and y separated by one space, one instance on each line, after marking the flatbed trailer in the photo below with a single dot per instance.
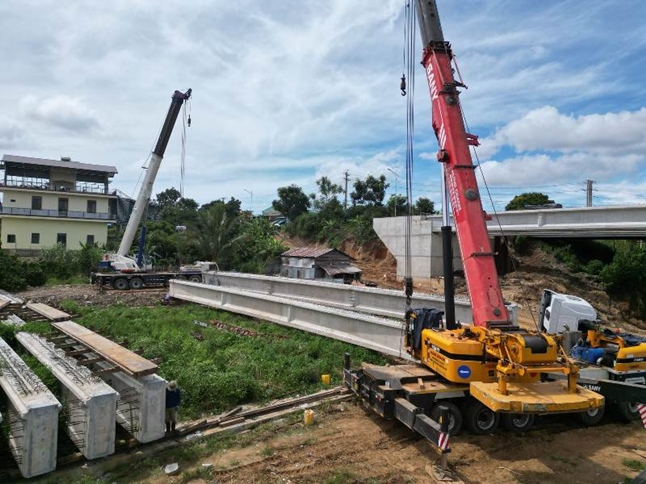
140 280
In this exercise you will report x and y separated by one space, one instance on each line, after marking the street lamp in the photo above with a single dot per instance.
251 200
396 188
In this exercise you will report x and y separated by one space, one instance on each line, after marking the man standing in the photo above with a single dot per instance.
173 398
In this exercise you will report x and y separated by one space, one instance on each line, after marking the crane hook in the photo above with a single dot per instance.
189 121
402 85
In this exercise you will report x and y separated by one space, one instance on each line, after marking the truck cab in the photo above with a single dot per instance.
557 311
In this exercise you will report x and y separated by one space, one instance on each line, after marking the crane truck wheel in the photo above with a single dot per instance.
479 419
455 416
591 417
120 284
518 422
627 411
136 283
195 279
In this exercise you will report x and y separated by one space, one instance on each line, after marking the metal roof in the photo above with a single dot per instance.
334 270
74 165
310 252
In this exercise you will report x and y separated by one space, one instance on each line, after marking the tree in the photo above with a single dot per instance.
213 233
291 202
327 193
370 191
519 202
424 206
168 198
625 276
255 246
397 205
232 207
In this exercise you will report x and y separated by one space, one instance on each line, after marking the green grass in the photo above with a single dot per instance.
223 369
634 464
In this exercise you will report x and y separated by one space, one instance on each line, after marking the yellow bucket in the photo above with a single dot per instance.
308 417
325 379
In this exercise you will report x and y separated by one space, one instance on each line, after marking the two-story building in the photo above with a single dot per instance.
45 202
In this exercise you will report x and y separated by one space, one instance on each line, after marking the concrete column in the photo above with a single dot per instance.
32 415
142 404
90 404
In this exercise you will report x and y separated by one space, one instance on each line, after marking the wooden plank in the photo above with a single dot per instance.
128 361
49 312
10 298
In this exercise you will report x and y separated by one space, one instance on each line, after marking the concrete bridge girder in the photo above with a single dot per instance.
90 404
32 416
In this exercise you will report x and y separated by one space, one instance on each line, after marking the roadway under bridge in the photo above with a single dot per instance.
588 222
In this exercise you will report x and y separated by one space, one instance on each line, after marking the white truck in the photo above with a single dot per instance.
611 362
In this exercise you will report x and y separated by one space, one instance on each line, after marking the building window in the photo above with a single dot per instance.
89 239
35 238
37 203
91 206
61 239
63 204
11 238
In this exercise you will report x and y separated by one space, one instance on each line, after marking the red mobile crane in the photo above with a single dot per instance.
476 372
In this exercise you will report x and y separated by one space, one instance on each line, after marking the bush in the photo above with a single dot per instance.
11 273
34 273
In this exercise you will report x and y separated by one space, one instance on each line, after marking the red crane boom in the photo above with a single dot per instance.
454 142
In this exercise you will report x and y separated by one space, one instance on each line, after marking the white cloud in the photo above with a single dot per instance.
11 133
547 129
286 92
60 111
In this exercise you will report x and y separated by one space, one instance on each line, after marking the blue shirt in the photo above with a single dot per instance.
173 398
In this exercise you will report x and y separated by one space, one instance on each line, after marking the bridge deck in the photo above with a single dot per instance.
129 362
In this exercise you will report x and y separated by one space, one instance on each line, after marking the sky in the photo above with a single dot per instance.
286 92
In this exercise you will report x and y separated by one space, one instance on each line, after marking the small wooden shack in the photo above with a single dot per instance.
320 264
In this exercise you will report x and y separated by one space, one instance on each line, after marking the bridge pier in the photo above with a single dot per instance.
142 405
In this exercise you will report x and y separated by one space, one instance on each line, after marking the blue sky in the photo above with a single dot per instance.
289 91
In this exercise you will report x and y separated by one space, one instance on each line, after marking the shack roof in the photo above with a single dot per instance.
312 252
344 269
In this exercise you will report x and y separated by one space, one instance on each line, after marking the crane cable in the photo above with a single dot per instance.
410 64
409 69
186 121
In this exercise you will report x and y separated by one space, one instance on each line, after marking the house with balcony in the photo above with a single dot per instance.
45 202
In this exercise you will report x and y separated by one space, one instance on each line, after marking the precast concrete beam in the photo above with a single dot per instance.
142 404
89 403
32 415
382 302
379 334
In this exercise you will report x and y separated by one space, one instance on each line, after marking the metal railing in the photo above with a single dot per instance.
30 212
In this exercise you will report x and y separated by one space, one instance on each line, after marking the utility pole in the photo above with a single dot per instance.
345 204
251 200
396 188
588 193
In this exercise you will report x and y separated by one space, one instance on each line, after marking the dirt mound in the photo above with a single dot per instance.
89 295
